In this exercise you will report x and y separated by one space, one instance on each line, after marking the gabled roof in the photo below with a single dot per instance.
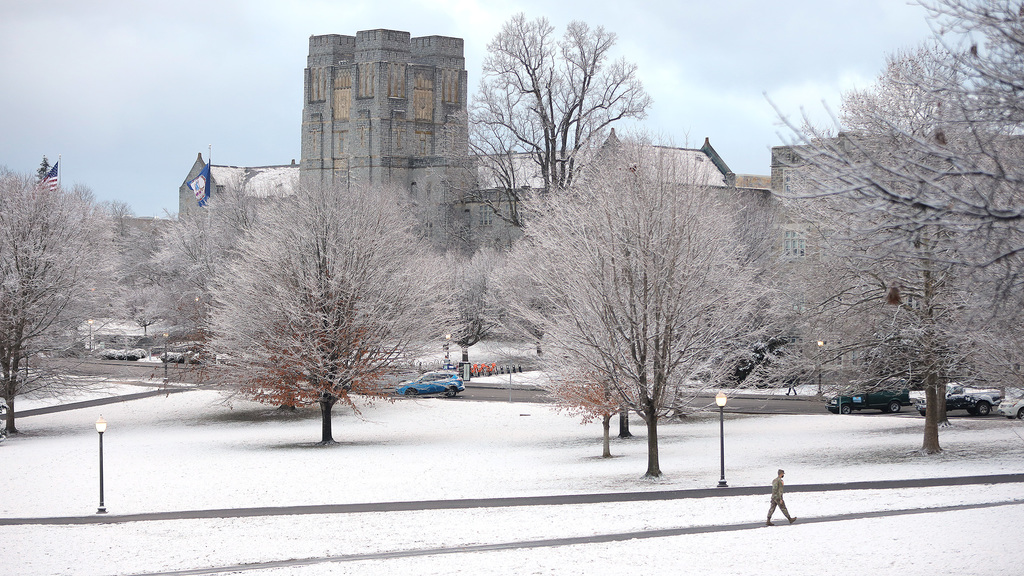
700 166
258 181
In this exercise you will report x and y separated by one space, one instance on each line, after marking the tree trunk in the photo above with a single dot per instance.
606 423
624 423
10 389
326 402
940 393
931 415
9 424
653 465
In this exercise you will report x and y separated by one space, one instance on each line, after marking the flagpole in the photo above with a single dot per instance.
58 170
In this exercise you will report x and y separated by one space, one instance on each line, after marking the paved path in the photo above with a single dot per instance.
556 500
100 401
552 542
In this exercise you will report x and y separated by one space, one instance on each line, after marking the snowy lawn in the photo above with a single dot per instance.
191 451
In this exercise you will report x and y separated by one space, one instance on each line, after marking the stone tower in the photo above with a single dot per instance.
382 107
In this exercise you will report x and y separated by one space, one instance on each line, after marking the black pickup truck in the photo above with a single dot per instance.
884 400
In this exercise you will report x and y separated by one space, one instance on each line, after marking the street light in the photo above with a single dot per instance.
447 346
818 363
721 399
101 427
165 357
90 334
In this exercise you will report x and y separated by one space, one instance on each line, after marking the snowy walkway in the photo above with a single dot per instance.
557 500
555 542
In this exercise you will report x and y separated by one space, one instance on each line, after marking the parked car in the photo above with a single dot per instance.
884 400
1014 409
975 401
445 382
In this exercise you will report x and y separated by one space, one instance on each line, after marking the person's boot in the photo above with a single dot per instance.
769 523
793 519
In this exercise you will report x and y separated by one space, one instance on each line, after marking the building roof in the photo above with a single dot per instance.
700 166
258 181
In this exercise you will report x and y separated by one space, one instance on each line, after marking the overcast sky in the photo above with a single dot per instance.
129 91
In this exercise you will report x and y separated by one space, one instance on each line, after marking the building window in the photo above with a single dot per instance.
396 80
339 146
367 79
799 303
450 86
794 244
485 215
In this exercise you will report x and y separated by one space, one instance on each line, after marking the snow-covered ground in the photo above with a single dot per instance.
192 451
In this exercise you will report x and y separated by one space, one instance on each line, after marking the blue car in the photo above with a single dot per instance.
444 382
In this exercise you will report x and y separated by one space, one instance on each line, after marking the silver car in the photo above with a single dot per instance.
1012 408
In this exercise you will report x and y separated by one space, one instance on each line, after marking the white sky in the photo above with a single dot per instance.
129 92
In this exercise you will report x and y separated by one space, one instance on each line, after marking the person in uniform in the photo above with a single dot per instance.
777 488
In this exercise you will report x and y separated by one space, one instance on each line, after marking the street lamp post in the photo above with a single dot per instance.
818 364
721 399
165 357
101 427
90 334
447 347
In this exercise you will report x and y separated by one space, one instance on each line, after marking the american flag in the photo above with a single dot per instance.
50 180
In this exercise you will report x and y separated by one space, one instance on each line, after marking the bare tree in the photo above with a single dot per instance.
899 145
965 172
640 281
475 307
53 245
330 294
587 395
192 252
547 100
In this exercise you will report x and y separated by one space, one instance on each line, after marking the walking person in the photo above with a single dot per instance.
777 488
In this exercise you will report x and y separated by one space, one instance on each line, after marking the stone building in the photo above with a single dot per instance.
384 108
266 182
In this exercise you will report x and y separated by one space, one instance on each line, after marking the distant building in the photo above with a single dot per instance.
257 181
382 107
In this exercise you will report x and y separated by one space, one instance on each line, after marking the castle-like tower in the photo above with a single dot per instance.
382 107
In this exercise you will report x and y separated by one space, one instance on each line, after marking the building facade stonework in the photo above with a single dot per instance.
382 107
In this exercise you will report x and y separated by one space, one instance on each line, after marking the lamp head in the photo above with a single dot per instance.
101 425
721 399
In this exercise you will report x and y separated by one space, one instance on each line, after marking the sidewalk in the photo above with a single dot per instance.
568 499
554 542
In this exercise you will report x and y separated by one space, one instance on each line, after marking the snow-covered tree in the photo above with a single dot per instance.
881 248
475 307
329 296
639 282
587 395
53 245
44 167
549 99
965 172
193 251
